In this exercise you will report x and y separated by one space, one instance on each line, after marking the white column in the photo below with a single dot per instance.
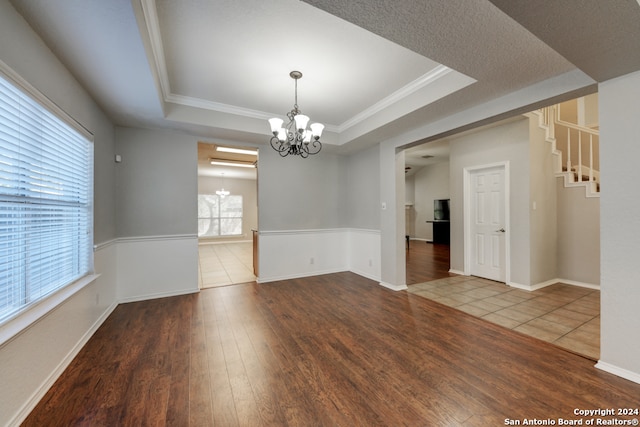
620 227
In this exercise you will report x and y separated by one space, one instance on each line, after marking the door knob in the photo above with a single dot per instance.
500 231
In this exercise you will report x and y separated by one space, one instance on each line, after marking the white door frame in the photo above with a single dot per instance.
467 172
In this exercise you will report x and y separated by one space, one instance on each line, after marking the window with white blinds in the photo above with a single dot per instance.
46 180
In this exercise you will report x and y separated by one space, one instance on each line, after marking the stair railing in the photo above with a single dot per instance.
551 120
577 134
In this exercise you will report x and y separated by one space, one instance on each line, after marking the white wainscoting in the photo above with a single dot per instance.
156 266
364 253
39 354
300 253
140 268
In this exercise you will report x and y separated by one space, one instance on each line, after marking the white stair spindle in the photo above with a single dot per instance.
569 153
579 156
591 158
548 119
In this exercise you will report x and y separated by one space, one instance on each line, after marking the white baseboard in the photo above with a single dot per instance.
263 279
620 372
581 284
365 274
39 393
544 284
394 287
453 271
158 295
531 287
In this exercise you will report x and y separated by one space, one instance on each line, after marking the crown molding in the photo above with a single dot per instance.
217 106
159 61
157 49
421 82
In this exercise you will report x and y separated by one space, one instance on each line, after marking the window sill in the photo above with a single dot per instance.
24 319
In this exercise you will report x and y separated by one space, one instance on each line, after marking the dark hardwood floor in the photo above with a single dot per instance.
332 350
426 262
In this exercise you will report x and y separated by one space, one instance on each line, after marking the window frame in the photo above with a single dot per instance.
219 217
17 322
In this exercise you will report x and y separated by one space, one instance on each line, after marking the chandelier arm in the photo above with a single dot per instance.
294 139
280 146
313 147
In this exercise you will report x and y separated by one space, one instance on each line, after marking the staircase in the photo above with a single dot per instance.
576 149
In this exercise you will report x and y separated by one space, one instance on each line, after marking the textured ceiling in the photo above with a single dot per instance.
471 36
602 38
372 69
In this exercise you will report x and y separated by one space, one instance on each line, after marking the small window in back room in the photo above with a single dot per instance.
219 215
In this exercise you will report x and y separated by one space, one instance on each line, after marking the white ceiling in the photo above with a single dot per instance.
372 69
238 55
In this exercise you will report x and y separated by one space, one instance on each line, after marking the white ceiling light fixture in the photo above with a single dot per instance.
237 150
222 192
218 162
295 138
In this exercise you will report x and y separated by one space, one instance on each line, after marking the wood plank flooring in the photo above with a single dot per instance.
332 350
426 262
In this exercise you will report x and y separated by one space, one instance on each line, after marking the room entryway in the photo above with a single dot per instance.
223 264
227 214
565 315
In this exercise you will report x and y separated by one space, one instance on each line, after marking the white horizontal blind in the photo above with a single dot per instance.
46 175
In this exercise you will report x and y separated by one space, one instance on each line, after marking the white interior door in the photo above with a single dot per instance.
487 223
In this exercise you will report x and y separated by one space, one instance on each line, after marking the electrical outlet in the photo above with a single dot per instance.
311 261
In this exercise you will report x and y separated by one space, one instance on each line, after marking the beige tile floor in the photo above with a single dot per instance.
565 315
222 264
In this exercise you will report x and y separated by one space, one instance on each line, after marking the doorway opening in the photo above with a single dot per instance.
227 214
554 298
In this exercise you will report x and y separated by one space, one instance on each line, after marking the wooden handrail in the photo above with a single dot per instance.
577 127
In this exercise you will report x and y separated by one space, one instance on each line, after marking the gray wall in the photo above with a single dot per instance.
409 210
30 358
430 183
620 223
301 194
23 51
509 142
542 207
247 188
363 189
578 235
392 213
156 183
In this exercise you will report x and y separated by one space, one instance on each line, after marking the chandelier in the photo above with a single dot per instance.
295 138
222 193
